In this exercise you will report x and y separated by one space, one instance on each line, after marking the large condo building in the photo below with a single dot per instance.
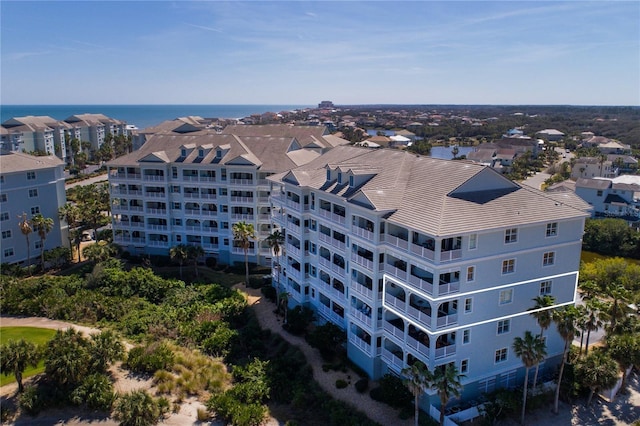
48 135
29 185
426 259
190 188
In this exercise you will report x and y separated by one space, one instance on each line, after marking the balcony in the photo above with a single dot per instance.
210 229
240 250
155 211
154 178
447 256
157 243
137 209
192 212
324 237
241 200
447 288
360 344
362 261
190 178
325 262
208 196
291 249
362 233
210 246
420 314
396 241
155 194
445 351
154 227
238 216
241 181
393 359
395 271
338 269
362 290
193 228
330 314
420 347
423 251
447 320
191 195
421 284
207 178
395 302
209 213
332 216
361 316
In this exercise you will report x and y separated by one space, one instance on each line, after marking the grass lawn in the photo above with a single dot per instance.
39 336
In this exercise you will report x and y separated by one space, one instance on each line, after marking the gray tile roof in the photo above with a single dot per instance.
11 162
438 197
593 183
306 135
270 153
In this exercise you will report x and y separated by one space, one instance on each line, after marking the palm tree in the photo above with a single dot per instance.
446 381
195 252
243 233
565 319
275 240
26 229
16 356
179 254
625 349
70 214
99 252
531 350
417 381
593 312
284 301
597 371
42 225
543 316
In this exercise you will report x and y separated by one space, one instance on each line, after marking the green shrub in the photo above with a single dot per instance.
151 358
362 385
392 392
30 401
96 391
137 408
341 384
269 293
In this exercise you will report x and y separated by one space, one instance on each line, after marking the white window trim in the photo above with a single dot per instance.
473 279
470 299
506 356
553 258
500 297
463 331
498 333
508 272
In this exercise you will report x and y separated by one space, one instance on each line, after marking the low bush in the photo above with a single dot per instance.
362 385
151 358
392 392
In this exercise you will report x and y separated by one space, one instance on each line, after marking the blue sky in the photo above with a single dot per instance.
272 52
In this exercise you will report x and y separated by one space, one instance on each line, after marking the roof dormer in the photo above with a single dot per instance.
186 150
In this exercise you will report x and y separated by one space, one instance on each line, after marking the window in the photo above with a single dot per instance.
487 386
508 266
176 206
8 252
178 238
473 241
599 193
223 191
339 178
31 175
35 210
6 234
506 296
548 258
508 380
1 179
466 336
38 244
545 288
351 181
3 198
183 152
471 273
224 225
467 305
328 174
224 208
33 193
174 173
552 229
504 326
464 366
511 235
501 355
4 216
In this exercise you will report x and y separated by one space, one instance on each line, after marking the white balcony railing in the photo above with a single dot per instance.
445 351
361 232
420 283
396 272
395 302
418 346
396 242
362 261
422 251
446 256
360 344
447 320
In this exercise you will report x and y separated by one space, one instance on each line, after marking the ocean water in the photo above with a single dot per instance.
143 116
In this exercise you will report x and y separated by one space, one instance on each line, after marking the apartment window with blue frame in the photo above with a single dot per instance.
545 288
31 175
511 235
351 181
339 178
504 326
328 174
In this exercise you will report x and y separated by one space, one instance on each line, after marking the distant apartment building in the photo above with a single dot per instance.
34 134
612 197
425 259
191 188
592 167
30 185
49 136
